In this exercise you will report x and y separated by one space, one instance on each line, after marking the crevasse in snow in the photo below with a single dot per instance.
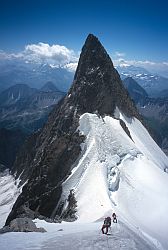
113 173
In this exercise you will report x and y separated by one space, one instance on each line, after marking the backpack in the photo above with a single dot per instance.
107 221
114 215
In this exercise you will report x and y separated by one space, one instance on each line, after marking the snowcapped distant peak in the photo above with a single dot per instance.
53 66
124 65
71 67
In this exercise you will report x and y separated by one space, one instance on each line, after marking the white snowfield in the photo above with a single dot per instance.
113 174
117 173
76 236
8 195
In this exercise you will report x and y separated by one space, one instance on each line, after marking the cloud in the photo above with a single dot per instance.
55 54
60 56
119 54
153 67
165 63
4 55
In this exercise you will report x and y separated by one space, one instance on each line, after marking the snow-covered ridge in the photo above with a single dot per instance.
114 173
117 173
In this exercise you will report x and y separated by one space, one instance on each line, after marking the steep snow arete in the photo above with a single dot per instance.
94 143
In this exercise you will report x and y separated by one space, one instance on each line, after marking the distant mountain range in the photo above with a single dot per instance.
23 110
153 84
35 75
16 93
138 94
26 108
154 111
49 87
163 93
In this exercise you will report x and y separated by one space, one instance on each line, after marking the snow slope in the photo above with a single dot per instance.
76 236
114 173
118 173
8 195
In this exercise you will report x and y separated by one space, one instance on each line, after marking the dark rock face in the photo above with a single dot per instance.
53 152
70 212
97 85
10 143
25 158
123 125
56 149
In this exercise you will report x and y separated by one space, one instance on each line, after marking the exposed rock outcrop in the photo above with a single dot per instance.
10 143
21 225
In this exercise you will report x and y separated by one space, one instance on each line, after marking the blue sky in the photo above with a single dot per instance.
136 29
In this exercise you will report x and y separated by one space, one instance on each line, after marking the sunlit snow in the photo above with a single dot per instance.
118 173
8 195
113 173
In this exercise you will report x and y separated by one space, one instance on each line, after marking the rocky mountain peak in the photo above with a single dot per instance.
97 87
15 93
92 58
49 87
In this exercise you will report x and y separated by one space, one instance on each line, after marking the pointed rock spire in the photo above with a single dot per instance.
93 56
97 85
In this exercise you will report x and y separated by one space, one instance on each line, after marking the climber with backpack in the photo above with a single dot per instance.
106 225
114 216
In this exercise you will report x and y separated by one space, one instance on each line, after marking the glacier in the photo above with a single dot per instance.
122 174
114 173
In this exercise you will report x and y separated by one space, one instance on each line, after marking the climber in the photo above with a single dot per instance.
114 216
106 225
